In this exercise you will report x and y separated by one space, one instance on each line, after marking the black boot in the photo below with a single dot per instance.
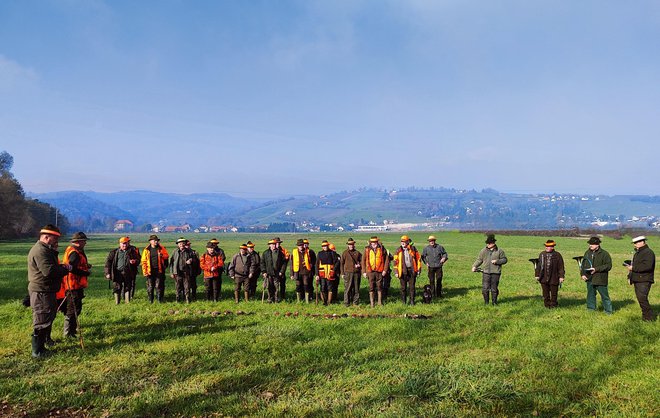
48 341
151 297
486 294
494 299
38 350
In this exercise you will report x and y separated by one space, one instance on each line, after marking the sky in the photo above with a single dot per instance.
273 98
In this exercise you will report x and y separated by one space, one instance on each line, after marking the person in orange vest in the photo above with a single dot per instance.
302 271
74 284
154 262
121 266
212 264
407 266
327 271
374 268
287 256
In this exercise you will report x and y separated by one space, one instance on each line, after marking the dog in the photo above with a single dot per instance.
427 296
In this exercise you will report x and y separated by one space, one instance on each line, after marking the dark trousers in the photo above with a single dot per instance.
156 282
489 286
183 287
213 286
72 308
550 294
375 281
44 311
273 286
304 282
253 283
435 280
407 281
387 280
352 288
241 282
283 288
642 291
328 285
123 283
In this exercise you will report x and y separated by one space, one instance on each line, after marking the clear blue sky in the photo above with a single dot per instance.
286 97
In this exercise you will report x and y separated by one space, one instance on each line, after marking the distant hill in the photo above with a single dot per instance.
430 208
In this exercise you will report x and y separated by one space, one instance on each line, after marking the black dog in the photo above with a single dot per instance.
427 296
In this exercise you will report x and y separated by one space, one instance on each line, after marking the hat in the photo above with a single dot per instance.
154 237
124 239
490 239
350 241
272 241
405 238
300 242
210 245
278 239
332 246
79 236
325 243
305 241
638 239
594 241
50 229
243 247
181 239
431 238
550 243
250 244
373 239
214 241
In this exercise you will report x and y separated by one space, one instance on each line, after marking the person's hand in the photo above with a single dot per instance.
188 261
213 268
364 275
343 276
561 280
629 267
537 278
264 275
174 276
107 276
474 269
384 273
493 262
584 278
133 261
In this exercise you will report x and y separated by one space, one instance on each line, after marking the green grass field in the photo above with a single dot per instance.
515 359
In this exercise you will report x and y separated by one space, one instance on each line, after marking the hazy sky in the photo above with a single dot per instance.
286 97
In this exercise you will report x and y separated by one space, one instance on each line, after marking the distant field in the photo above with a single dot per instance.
467 359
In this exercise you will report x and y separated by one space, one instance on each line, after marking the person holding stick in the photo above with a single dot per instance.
640 274
74 284
45 275
596 265
550 273
490 259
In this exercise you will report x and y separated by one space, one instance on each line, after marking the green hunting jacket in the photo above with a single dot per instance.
44 269
601 261
643 265
487 255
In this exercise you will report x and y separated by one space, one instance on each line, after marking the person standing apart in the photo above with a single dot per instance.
434 256
640 275
596 265
490 259
45 275
154 261
550 273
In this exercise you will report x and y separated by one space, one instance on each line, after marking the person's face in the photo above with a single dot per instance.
181 245
153 242
594 247
639 244
123 246
373 245
351 247
51 240
250 249
243 251
80 244
301 248
432 243
490 245
306 245
404 244
324 248
271 246
209 251
549 249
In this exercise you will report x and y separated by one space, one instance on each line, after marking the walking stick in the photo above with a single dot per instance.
316 291
263 291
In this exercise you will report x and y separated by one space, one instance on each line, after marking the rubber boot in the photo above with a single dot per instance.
236 295
307 297
38 350
325 298
486 294
48 341
117 298
330 295
403 297
151 297
298 297
494 299
247 295
371 299
127 297
380 298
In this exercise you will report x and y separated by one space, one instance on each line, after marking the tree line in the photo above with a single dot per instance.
22 216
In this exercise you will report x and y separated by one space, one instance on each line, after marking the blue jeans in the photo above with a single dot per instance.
604 296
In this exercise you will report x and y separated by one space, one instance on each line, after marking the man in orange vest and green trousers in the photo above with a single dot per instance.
302 271
407 266
74 283
374 266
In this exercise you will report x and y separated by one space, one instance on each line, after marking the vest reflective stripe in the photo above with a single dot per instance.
327 271
296 261
375 260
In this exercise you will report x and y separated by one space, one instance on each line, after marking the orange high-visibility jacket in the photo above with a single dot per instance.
415 258
74 281
146 260
374 260
207 261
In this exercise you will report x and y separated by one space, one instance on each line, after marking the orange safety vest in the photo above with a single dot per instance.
73 281
146 260
327 271
296 261
415 259
375 260
287 255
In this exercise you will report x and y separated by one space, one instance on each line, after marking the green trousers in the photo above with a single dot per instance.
604 296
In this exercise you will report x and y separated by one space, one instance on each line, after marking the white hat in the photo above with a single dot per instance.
638 239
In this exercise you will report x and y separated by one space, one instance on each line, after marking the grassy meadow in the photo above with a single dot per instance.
466 359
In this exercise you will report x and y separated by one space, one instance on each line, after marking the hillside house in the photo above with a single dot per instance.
123 225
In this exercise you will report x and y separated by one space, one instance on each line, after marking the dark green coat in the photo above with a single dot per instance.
601 261
643 265
44 269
